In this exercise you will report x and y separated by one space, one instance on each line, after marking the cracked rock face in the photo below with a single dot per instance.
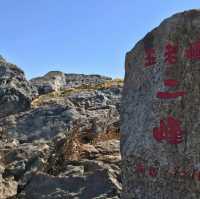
56 80
66 143
16 93
52 81
44 122
8 187
160 112
97 111
85 178
41 169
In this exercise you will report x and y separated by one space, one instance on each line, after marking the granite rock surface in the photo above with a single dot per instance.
160 112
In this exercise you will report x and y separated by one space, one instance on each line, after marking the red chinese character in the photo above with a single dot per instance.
150 58
170 82
140 168
160 133
196 175
170 53
170 95
153 172
171 132
193 52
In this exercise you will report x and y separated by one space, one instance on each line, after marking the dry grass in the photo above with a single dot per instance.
77 146
58 95
74 147
107 136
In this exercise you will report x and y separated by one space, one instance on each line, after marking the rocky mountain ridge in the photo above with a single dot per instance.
59 135
56 80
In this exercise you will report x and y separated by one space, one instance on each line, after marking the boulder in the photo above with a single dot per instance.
160 117
16 93
52 81
44 122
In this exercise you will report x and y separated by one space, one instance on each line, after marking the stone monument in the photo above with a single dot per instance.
160 112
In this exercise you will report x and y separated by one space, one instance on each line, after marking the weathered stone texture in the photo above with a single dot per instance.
16 93
56 80
65 144
177 165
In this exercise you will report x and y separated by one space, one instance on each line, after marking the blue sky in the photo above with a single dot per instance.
78 36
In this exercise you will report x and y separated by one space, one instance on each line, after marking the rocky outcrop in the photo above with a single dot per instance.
96 109
85 178
52 81
16 93
75 80
8 187
160 112
64 167
43 122
66 143
55 81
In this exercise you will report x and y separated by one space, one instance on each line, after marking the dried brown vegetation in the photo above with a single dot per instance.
58 95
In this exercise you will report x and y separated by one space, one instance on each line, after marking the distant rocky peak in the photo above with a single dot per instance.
54 74
56 80
1 58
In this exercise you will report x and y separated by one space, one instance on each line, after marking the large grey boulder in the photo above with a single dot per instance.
16 93
160 115
41 123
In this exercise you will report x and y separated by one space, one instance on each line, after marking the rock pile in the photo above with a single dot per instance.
62 144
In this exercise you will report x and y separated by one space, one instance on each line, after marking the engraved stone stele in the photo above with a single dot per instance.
160 112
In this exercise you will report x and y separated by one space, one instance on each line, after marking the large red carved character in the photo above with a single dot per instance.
150 57
153 172
170 53
169 131
140 168
170 95
193 52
